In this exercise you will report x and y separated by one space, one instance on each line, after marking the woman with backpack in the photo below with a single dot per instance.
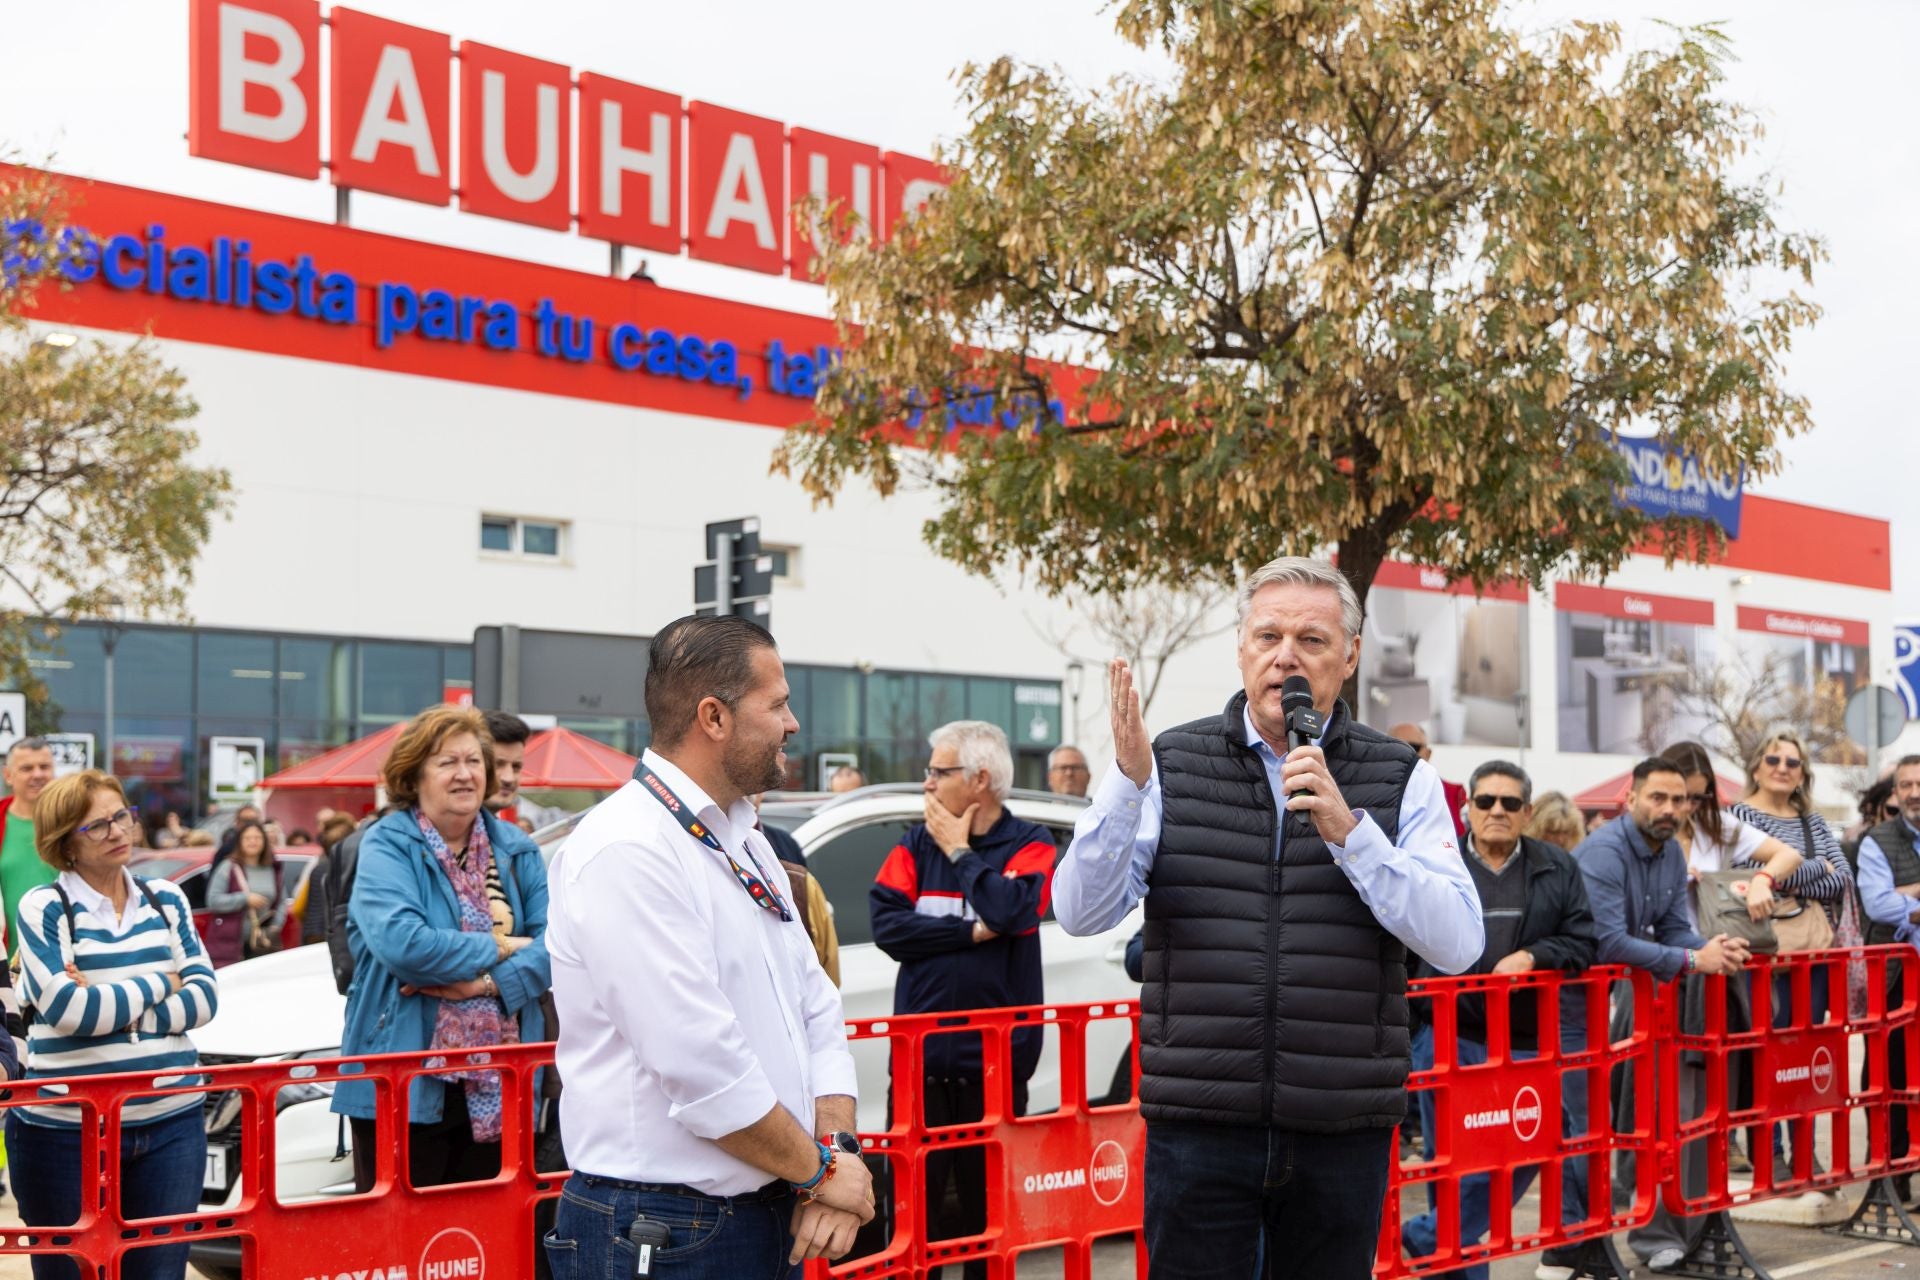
112 978
244 895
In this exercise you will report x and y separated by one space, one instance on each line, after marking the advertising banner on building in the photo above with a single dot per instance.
1625 661
1812 665
1439 656
1667 482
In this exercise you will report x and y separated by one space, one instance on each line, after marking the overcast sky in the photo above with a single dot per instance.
104 88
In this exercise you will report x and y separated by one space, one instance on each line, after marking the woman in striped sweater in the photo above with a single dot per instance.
114 973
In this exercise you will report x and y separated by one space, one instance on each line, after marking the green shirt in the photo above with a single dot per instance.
20 870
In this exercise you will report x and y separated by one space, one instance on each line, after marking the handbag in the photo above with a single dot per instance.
1723 909
260 940
1801 924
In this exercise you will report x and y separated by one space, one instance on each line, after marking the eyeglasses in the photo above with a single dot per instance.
1512 804
935 772
99 831
1782 762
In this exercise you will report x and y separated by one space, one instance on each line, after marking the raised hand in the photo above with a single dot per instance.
1132 748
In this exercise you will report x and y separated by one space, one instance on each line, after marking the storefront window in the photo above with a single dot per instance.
237 675
890 709
991 700
833 704
941 699
398 680
153 672
302 740
72 665
316 679
154 757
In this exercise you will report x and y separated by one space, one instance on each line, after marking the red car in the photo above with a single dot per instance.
187 868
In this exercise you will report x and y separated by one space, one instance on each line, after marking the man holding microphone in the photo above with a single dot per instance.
1285 880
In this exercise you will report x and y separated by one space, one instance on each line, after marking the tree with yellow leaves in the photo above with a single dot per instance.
1384 277
101 503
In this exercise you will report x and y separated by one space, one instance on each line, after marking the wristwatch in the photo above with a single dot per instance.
843 1141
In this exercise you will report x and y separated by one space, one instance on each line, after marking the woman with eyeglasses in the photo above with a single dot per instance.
112 978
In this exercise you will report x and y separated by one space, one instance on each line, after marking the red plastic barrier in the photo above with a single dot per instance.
1797 1073
1064 1179
1499 1117
1072 1176
461 1232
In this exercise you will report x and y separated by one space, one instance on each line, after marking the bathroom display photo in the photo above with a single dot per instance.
1626 662
1815 663
1441 657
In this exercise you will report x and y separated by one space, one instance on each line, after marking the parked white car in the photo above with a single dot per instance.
285 1006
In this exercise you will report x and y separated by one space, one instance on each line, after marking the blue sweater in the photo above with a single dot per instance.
924 908
403 926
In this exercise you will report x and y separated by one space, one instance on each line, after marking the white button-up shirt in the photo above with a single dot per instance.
687 1011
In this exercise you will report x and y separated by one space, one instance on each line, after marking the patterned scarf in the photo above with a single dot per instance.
482 1022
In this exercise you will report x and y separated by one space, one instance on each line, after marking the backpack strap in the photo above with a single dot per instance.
153 899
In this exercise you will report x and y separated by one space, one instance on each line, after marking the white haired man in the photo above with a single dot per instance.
1288 885
958 903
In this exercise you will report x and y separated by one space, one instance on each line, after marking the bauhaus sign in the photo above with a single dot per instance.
616 161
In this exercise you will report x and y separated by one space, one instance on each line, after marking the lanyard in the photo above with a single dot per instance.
757 886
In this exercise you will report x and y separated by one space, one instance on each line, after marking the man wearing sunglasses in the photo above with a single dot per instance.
1534 905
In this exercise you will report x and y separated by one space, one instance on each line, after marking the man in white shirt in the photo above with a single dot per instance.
710 1095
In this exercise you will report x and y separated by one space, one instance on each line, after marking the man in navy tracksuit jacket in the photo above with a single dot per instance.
958 903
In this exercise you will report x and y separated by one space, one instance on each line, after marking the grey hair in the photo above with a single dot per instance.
1304 571
980 746
28 744
1502 769
1065 746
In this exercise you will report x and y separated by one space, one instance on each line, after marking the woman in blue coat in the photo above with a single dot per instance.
446 923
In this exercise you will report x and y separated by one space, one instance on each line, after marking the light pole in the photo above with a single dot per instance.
1076 677
112 627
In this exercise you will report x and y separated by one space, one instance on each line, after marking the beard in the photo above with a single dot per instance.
754 769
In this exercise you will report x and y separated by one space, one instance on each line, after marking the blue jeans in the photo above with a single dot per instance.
1421 1235
744 1237
1217 1194
161 1167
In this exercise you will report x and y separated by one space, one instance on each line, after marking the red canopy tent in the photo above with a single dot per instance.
1610 797
562 759
357 764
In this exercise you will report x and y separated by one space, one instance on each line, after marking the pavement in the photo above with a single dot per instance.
1785 1250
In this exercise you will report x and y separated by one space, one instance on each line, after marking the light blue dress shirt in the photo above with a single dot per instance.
1883 905
1419 890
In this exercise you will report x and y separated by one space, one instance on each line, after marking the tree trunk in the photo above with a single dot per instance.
1361 552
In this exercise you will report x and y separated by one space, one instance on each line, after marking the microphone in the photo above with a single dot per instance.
1304 724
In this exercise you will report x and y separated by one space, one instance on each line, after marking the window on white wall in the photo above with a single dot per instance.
520 536
786 563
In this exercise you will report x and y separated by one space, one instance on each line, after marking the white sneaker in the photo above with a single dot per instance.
1547 1271
1666 1259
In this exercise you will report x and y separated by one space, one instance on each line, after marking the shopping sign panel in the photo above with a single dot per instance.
535 144
1668 482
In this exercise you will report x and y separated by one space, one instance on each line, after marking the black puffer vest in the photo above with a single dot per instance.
1897 843
1272 995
